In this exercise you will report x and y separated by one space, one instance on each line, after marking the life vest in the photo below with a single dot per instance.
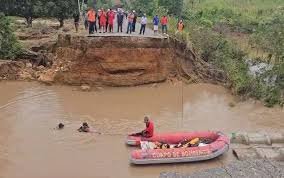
111 17
103 19
91 16
164 21
194 141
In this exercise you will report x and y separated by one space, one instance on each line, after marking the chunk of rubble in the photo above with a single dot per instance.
85 88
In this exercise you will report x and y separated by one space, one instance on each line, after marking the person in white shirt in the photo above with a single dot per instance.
143 24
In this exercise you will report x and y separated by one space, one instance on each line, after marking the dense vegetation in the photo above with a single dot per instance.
106 4
9 47
152 7
30 9
233 35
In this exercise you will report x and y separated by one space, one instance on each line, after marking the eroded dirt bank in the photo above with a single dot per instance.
125 61
110 61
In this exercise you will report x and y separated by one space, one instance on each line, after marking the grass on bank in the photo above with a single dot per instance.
9 46
226 33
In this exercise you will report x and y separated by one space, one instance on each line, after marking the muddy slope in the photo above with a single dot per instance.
125 61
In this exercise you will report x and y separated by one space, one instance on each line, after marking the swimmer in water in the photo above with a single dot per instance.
60 126
86 128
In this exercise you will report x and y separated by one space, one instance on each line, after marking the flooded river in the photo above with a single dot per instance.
30 147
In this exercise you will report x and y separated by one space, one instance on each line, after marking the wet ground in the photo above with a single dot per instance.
30 147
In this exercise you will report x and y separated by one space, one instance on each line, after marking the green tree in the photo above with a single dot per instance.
97 4
61 9
147 6
9 46
173 7
28 9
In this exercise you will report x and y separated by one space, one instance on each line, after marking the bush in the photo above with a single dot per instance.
219 51
9 46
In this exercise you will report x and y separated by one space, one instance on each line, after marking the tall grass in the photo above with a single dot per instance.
221 32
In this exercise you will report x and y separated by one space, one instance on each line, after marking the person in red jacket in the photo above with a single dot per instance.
149 130
164 22
111 17
103 19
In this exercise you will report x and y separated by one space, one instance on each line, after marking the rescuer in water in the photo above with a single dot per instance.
87 129
60 126
84 128
149 131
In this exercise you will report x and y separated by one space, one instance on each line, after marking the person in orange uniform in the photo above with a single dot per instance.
111 17
148 132
103 19
180 26
92 20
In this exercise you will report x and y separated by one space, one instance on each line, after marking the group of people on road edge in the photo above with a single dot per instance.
104 18
164 24
105 21
147 132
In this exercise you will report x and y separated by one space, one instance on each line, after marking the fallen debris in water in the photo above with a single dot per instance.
85 88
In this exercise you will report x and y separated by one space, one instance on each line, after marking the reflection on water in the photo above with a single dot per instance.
30 147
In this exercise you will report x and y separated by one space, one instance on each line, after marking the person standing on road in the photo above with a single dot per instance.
86 23
164 22
92 20
180 26
107 22
99 19
156 21
103 19
134 21
126 15
76 17
111 17
120 18
130 23
143 24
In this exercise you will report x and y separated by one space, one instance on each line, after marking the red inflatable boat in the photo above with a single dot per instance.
219 145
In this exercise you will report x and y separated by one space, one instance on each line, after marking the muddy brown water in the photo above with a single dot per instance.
30 147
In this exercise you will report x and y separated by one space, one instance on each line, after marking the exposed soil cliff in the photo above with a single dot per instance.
111 61
124 61
192 68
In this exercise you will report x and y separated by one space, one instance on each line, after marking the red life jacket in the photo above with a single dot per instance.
150 129
103 19
164 21
111 17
